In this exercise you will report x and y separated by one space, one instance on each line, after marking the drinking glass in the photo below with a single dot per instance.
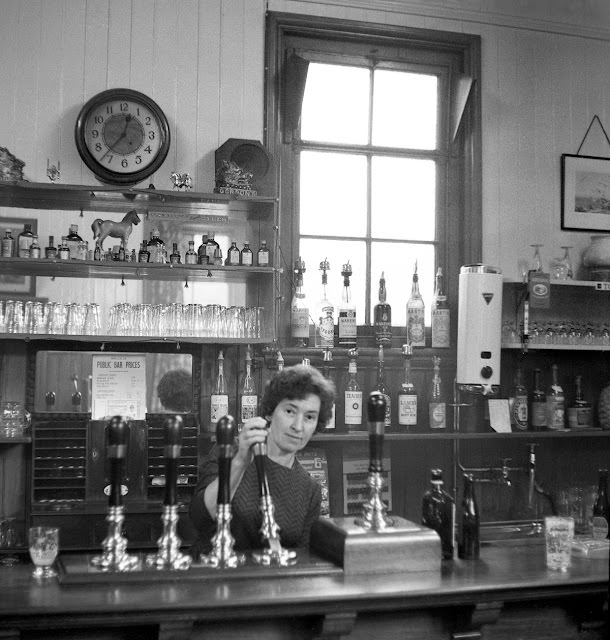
537 260
558 536
43 543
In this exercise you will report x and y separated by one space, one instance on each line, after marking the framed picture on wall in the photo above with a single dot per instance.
585 193
13 285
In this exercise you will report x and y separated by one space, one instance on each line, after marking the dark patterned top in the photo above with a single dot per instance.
296 497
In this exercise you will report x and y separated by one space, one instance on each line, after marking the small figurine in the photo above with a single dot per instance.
104 228
182 180
53 172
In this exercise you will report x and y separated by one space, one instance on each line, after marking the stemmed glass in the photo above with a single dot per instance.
43 543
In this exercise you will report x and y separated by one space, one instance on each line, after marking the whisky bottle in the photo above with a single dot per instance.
383 389
416 330
50 252
233 255
555 403
437 408
353 395
73 240
246 257
348 327
202 257
469 538
219 401
190 257
330 426
24 241
144 253
441 319
438 513
35 248
382 317
174 256
299 311
580 412
263 257
537 405
601 509
8 244
248 399
407 396
156 247
518 404
325 325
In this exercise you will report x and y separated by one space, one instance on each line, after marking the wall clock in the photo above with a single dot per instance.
122 136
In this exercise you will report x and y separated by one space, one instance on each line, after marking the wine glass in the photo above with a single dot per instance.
537 266
43 543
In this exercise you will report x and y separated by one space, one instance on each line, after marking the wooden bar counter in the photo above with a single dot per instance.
508 593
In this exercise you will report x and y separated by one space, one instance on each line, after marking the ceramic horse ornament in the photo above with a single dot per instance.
104 228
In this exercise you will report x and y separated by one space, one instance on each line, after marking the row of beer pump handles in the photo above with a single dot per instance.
114 556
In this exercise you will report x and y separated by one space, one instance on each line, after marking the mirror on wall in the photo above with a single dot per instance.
64 381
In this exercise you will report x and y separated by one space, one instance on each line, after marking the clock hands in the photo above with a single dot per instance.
123 134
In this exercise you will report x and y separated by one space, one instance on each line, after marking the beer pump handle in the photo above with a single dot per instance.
376 407
172 430
225 437
117 435
260 451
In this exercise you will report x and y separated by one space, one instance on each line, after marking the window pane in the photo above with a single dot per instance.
336 104
404 110
333 194
403 198
396 260
338 253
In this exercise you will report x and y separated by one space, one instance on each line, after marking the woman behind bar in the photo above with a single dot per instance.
296 403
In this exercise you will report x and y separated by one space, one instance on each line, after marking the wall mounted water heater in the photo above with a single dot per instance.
479 327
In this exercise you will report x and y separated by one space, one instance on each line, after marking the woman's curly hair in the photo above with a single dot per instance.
175 390
295 383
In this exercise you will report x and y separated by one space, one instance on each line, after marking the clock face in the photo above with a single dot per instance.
122 136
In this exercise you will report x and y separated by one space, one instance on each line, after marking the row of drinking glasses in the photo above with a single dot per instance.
560 332
188 320
56 318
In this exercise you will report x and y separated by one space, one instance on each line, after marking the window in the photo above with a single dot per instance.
377 131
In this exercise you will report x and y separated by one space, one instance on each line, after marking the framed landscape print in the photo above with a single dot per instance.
11 285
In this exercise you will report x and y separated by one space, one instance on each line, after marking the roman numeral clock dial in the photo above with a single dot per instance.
122 136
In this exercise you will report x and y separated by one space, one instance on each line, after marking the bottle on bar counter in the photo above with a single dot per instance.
518 404
24 241
580 413
416 324
190 257
348 327
555 403
382 317
219 400
263 257
353 395
383 389
438 513
469 538
330 426
50 252
441 320
325 315
233 255
538 404
437 407
299 311
248 398
601 509
407 396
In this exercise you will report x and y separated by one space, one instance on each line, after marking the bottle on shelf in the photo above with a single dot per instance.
248 398
121 253
383 389
190 257
353 395
202 257
133 257
330 426
580 413
469 538
416 324
407 395
174 256
218 257
382 317
219 400
325 316
8 244
50 252
518 404
537 411
35 248
279 361
246 257
143 254
83 249
438 513
437 407
441 315
210 248
63 252
73 240
299 310
233 255
601 509
24 241
263 257
555 403
348 326
156 247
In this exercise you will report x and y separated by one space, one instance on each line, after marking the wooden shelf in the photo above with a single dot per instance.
539 346
38 337
590 284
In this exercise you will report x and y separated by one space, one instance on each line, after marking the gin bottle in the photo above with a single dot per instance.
416 333
325 319
382 317
348 328
299 310
407 396
438 513
219 401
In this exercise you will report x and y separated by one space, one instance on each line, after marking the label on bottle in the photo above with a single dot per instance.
407 410
437 415
599 528
72 245
7 247
326 328
348 328
263 258
219 406
538 415
416 327
440 328
555 413
190 258
246 258
233 257
299 323
249 406
24 246
519 413
353 407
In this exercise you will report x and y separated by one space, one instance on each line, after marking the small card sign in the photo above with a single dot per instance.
119 386
499 415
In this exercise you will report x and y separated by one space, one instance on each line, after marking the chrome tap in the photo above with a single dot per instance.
533 487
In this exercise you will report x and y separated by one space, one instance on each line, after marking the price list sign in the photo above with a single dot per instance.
119 386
